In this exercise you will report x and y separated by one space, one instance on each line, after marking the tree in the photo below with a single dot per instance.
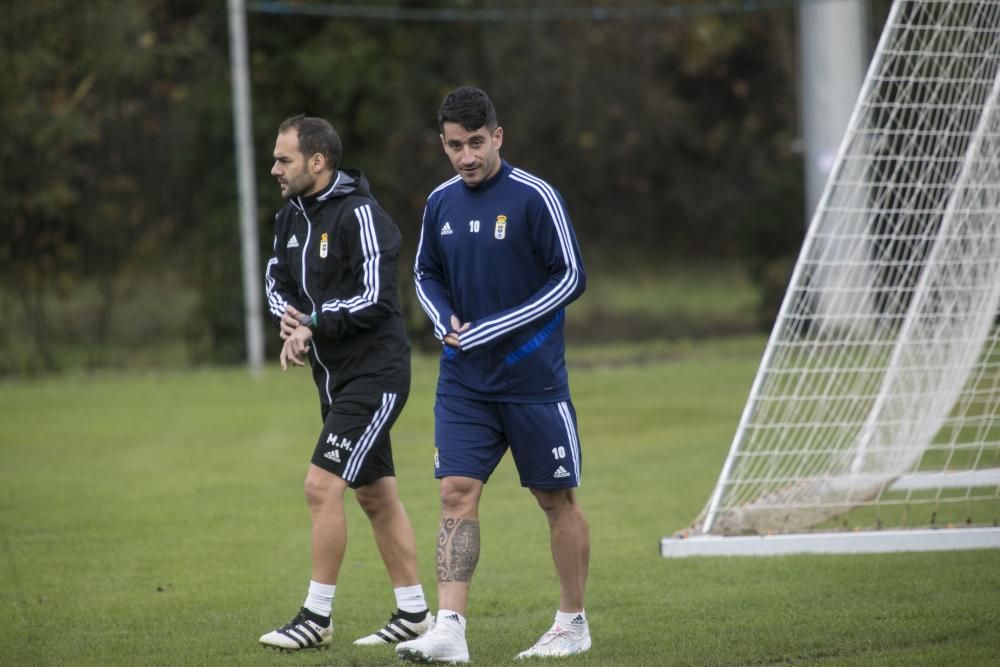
95 97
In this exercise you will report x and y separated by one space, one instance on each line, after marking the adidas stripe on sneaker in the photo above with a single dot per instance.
400 628
306 630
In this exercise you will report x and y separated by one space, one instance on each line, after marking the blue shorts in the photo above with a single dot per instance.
471 437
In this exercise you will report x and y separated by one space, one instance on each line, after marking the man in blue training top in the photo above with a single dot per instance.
497 263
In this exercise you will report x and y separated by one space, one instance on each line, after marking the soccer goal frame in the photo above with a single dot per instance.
872 424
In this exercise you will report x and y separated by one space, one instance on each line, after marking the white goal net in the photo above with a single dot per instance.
876 402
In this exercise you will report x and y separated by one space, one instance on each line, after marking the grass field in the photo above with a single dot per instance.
158 519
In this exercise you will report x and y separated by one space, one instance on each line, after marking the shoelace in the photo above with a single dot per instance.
300 619
554 633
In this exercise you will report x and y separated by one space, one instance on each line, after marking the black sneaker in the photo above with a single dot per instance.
402 626
306 630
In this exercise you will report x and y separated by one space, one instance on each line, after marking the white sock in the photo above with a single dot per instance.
320 598
572 620
453 616
410 598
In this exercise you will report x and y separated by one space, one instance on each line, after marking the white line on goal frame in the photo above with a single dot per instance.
862 542
947 479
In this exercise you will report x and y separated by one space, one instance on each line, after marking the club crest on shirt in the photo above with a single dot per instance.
324 245
500 230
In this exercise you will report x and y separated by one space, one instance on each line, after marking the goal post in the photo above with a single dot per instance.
883 366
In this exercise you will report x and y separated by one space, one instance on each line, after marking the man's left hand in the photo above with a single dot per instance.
296 347
290 321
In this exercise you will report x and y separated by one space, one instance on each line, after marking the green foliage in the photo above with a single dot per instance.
159 520
668 139
95 110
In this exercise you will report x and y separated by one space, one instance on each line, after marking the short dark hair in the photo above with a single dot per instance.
469 107
316 135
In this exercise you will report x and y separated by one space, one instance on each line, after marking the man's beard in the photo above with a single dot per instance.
296 188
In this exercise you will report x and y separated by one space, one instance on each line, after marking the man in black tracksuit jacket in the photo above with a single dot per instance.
335 259
331 287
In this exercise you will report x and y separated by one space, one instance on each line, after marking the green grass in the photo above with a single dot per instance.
689 290
627 298
647 302
158 519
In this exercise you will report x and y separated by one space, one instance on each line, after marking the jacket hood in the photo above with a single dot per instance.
346 182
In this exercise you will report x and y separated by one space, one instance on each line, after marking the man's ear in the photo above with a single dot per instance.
498 137
317 163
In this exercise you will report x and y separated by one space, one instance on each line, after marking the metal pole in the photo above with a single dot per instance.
832 68
252 281
833 55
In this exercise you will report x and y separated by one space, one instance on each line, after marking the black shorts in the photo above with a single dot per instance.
354 443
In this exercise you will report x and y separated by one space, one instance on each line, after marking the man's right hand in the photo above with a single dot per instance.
451 339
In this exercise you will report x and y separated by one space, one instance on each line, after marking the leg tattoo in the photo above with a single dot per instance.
457 549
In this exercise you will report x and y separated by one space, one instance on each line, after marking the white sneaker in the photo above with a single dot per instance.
398 629
306 630
445 642
559 641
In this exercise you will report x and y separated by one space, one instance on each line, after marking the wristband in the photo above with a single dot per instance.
308 320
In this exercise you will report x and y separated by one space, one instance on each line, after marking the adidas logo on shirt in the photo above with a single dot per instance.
333 455
560 473
292 242
446 229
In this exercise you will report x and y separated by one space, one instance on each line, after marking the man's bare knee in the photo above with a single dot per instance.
554 501
460 496
320 486
375 500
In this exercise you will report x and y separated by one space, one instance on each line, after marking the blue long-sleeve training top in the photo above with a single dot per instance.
502 255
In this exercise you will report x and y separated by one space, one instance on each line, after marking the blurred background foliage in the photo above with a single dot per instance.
674 142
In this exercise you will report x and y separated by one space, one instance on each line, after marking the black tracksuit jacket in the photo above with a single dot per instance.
335 255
